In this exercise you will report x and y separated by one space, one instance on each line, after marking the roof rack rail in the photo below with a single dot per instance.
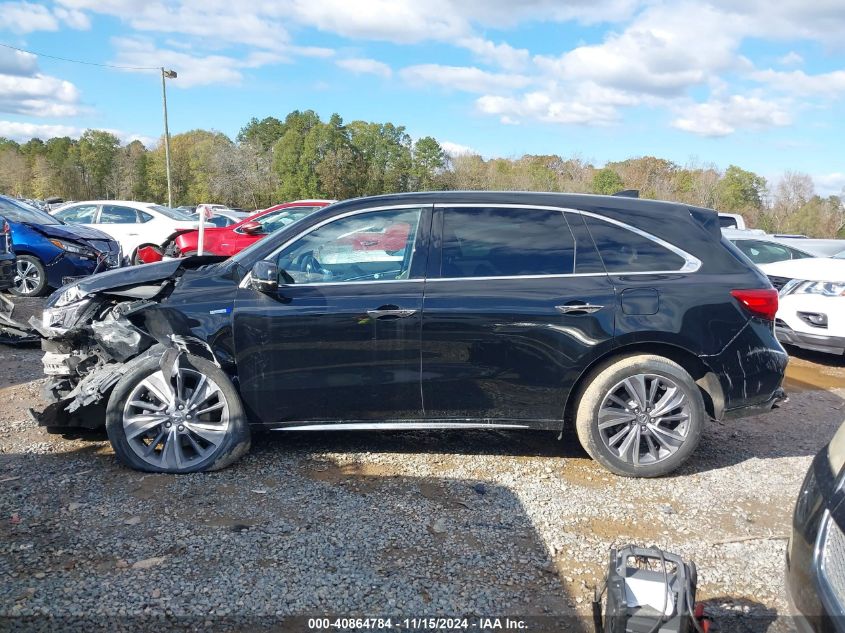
628 193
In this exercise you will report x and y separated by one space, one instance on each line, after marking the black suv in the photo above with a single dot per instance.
631 319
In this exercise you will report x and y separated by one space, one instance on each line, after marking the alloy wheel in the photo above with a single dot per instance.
176 424
27 277
644 419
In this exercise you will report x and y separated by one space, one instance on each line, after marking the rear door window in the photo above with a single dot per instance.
625 251
505 242
115 214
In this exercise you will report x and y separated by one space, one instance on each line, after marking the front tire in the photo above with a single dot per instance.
640 416
30 277
195 423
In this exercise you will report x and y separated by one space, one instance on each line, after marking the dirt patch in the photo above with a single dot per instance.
356 477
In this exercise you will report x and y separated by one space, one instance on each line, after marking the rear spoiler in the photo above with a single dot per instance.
628 193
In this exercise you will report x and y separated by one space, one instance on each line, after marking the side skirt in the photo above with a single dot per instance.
414 425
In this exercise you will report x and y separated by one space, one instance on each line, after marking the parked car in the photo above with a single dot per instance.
812 302
762 248
49 253
632 320
815 554
7 256
133 224
236 237
224 218
731 221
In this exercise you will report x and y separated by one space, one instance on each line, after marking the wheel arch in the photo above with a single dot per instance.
707 381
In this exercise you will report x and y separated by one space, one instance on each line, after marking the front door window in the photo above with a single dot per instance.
371 246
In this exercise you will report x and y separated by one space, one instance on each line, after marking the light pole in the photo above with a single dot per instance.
167 74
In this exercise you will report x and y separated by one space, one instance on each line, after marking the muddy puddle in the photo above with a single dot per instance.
804 376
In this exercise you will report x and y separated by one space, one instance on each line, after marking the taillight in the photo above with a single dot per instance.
761 303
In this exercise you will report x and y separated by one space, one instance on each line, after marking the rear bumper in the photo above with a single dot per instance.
774 402
814 342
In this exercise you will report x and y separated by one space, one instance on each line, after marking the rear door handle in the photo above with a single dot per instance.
390 312
576 308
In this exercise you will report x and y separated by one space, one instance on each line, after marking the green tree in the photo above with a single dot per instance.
740 191
428 159
265 132
97 151
607 182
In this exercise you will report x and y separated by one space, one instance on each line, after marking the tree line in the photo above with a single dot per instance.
302 156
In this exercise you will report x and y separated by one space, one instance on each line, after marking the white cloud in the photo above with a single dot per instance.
503 55
800 83
456 149
547 108
723 117
21 132
791 59
192 70
463 78
25 17
17 63
830 184
364 66
39 95
664 52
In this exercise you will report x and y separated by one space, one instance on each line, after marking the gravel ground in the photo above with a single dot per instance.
401 524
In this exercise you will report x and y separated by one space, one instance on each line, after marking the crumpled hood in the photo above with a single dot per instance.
70 231
135 275
810 269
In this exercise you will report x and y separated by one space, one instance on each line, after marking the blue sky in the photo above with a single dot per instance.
749 82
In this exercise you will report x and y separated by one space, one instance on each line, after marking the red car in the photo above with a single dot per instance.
236 237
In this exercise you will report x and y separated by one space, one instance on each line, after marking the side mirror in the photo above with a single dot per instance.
265 276
252 228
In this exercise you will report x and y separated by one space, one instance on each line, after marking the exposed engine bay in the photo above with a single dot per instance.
93 330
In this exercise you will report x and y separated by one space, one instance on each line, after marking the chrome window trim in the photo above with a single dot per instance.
691 263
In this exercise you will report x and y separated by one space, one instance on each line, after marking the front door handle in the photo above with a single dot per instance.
578 307
390 312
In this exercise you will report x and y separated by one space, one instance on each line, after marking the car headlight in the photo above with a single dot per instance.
69 295
823 288
71 247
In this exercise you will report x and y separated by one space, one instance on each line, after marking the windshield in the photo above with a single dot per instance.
839 255
283 217
275 221
173 214
17 211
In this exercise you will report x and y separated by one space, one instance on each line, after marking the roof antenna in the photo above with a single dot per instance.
628 193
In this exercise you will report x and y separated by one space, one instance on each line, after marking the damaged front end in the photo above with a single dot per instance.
93 331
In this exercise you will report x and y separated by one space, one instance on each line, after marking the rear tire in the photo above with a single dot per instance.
640 416
30 277
150 432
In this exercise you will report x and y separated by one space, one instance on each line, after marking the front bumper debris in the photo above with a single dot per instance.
13 332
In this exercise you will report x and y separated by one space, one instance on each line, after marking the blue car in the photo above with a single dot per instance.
51 253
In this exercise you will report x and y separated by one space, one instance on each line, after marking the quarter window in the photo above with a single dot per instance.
374 246
624 251
114 214
496 242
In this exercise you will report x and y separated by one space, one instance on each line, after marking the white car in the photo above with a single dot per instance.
133 224
811 313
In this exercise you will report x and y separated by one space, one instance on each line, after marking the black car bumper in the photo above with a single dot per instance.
814 342
815 558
